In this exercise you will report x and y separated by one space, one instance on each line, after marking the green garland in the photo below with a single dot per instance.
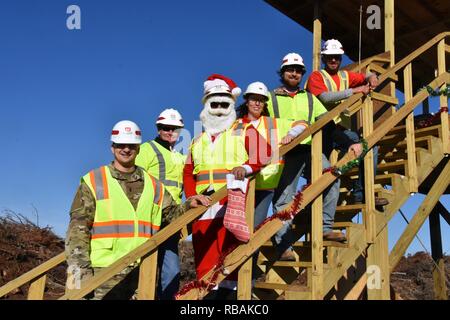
436 93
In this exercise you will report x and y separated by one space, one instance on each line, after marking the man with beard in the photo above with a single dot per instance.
289 102
220 150
332 86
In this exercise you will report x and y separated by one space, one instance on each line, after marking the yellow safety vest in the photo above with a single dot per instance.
273 130
212 162
118 228
165 165
303 106
344 120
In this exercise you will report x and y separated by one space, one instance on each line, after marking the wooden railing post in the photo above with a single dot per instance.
443 99
370 220
410 136
317 221
147 277
244 288
37 288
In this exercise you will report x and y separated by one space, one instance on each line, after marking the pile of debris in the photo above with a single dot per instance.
24 246
412 279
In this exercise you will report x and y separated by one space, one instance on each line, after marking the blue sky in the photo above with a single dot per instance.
61 90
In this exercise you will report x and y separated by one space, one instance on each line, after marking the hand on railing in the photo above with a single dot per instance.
239 173
356 148
198 200
287 139
373 81
364 89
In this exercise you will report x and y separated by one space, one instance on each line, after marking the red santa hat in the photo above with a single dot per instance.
219 84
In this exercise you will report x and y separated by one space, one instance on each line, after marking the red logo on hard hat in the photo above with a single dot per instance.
128 129
115 132
138 133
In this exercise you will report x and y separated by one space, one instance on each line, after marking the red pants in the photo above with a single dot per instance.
211 240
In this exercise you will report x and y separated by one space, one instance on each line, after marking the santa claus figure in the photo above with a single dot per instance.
221 152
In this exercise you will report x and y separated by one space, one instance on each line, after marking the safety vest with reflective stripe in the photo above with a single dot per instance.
213 161
344 120
165 165
273 130
118 228
303 106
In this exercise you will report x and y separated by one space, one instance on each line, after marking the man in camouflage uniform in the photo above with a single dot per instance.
83 212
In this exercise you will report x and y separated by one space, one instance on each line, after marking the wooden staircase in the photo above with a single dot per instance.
281 276
322 270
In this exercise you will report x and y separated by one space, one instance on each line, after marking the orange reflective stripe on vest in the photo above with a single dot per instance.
98 181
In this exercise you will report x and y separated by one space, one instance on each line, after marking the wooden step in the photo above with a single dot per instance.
290 264
401 130
422 142
350 208
390 167
307 244
281 286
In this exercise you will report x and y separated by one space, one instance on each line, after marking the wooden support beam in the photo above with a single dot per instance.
443 99
385 98
37 288
439 277
410 135
389 39
356 291
447 48
380 70
147 277
244 287
378 260
317 221
370 222
419 218
317 36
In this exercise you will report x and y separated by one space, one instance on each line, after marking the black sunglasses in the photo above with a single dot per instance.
167 128
125 145
224 105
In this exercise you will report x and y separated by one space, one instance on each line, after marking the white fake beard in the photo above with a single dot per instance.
218 120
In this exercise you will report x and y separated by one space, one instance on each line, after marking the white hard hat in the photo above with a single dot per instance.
126 132
219 84
257 88
170 117
332 46
292 59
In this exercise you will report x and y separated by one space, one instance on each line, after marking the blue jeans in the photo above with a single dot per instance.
298 163
358 189
169 266
263 198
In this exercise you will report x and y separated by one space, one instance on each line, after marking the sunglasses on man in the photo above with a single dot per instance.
223 105
167 128
125 145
